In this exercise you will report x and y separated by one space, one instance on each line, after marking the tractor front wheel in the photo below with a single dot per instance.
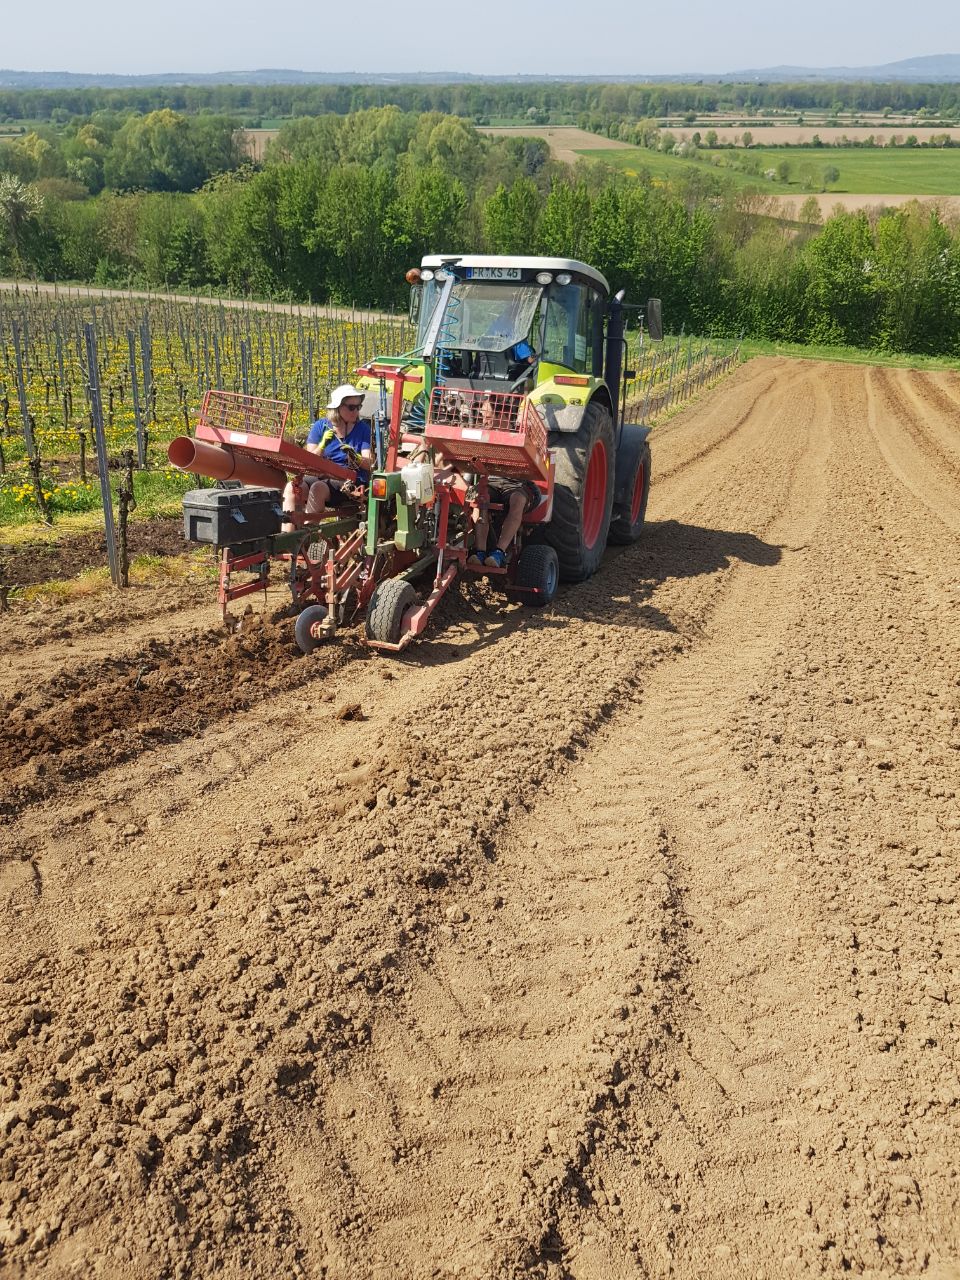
582 494
389 602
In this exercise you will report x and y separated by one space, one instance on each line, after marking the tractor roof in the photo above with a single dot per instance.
587 274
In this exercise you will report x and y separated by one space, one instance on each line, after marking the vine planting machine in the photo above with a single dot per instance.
517 376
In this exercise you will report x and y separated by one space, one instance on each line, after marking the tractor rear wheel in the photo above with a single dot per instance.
538 574
633 486
306 621
582 494
389 602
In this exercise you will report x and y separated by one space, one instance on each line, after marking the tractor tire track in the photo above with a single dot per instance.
779 1147
927 472
937 417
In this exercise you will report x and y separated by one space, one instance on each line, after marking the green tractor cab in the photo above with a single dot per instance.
546 328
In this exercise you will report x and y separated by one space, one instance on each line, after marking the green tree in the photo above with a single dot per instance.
565 221
152 153
171 242
510 218
20 206
841 288
914 282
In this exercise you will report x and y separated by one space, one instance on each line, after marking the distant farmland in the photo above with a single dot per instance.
862 171
777 135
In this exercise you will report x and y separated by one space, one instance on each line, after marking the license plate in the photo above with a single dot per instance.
493 273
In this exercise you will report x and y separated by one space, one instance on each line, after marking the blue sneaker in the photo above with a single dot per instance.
497 559
477 559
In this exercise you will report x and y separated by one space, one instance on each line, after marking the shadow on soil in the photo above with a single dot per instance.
618 595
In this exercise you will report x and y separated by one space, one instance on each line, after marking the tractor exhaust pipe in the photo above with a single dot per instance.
613 370
220 462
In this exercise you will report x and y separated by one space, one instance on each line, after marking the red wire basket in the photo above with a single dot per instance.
490 432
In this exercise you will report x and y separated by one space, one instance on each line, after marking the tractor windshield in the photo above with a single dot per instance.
481 316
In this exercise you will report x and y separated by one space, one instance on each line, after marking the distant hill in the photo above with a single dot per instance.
930 69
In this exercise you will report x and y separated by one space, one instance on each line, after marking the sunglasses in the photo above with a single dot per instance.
351 405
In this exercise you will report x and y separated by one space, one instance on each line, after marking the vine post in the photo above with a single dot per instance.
128 503
33 453
137 415
96 416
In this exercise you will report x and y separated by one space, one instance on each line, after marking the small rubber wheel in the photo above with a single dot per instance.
305 624
392 598
538 573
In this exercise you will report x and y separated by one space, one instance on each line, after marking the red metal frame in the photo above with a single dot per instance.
398 376
489 433
254 427
325 582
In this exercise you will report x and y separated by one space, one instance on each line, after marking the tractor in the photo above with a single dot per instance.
517 375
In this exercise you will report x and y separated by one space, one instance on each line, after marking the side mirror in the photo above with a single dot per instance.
415 299
654 319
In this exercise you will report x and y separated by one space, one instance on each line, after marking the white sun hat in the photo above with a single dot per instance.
341 393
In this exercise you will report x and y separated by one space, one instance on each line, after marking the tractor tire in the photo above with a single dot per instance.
632 487
306 620
538 570
389 602
582 494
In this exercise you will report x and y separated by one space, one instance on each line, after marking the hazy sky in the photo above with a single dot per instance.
609 37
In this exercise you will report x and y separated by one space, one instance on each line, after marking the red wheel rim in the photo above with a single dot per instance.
595 494
637 493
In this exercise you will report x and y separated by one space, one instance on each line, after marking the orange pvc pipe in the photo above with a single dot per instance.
220 462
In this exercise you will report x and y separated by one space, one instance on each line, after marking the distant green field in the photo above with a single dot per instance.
637 160
900 171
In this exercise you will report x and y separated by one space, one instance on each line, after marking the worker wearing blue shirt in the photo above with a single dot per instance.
343 438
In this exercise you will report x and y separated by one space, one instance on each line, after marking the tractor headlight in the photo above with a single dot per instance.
426 273
442 274
564 277
544 277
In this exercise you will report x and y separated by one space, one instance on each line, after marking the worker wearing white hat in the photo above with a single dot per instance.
343 437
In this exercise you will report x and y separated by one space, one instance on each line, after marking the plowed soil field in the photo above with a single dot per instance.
615 940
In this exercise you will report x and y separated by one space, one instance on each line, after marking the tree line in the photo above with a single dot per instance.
343 206
482 101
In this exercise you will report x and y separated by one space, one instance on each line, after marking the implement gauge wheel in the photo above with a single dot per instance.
392 598
582 493
538 574
304 628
